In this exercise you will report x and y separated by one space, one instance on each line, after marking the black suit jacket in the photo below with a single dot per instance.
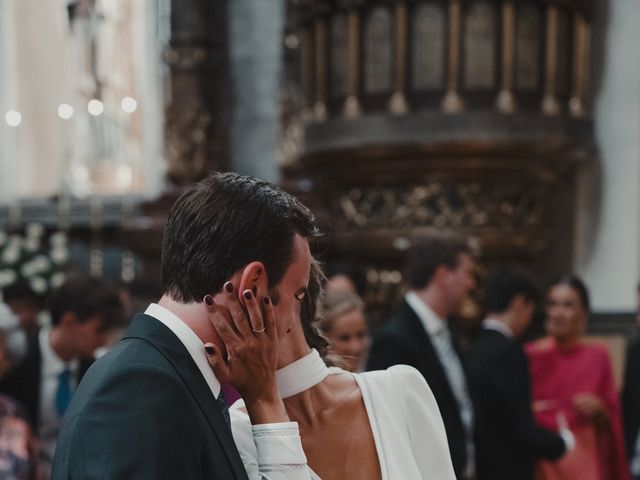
24 381
144 412
508 441
403 340
631 396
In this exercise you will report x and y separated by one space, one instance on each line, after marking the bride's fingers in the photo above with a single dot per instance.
217 362
238 315
269 318
253 309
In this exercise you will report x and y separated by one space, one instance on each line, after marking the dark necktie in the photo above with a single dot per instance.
63 392
222 405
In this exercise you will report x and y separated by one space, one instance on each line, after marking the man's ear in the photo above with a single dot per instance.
254 278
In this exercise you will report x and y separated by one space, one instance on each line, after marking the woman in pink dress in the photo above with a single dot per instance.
572 384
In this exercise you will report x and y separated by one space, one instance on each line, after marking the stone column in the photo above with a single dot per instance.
256 38
6 133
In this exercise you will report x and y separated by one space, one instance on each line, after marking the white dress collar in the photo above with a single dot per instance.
301 375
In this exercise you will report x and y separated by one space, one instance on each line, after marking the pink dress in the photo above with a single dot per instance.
557 376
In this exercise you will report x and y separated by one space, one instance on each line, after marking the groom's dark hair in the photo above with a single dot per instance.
223 223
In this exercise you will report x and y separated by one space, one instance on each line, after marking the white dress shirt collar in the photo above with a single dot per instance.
498 326
190 340
431 322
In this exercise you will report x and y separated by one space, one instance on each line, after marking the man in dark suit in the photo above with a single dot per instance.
440 276
508 441
235 251
631 401
83 311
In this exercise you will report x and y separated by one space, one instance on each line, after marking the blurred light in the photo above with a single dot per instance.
65 111
291 41
13 118
95 107
129 105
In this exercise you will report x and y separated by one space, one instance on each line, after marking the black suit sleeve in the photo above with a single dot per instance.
631 396
114 437
388 350
513 390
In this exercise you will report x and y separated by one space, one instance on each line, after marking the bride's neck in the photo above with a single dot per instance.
292 347
307 407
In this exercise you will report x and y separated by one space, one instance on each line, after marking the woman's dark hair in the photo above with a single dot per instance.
223 223
578 285
309 311
504 284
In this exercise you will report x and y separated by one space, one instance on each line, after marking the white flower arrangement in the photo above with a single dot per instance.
33 257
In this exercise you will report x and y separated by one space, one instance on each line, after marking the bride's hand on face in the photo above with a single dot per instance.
249 336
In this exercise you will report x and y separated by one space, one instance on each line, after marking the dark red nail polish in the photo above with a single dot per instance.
247 294
228 287
208 299
266 300
254 290
209 350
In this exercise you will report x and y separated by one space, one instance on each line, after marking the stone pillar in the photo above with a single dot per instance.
608 232
256 37
6 133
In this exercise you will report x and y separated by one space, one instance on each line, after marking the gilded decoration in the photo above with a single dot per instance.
468 205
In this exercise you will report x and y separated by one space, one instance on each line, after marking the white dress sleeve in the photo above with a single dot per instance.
270 451
427 435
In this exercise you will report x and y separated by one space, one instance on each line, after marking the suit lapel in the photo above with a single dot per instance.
160 336
426 351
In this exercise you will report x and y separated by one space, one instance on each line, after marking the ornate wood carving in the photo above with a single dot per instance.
506 102
563 78
443 204
428 56
480 47
197 115
377 51
380 177
550 104
452 103
527 49
339 56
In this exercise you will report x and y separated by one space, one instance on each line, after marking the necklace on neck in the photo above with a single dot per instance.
301 375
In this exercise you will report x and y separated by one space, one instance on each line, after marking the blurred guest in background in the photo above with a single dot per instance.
573 385
507 438
17 442
13 340
25 304
440 276
343 324
341 282
83 311
631 400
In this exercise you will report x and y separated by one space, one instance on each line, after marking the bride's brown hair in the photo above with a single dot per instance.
309 311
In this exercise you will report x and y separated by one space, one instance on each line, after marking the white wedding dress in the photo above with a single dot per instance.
407 428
